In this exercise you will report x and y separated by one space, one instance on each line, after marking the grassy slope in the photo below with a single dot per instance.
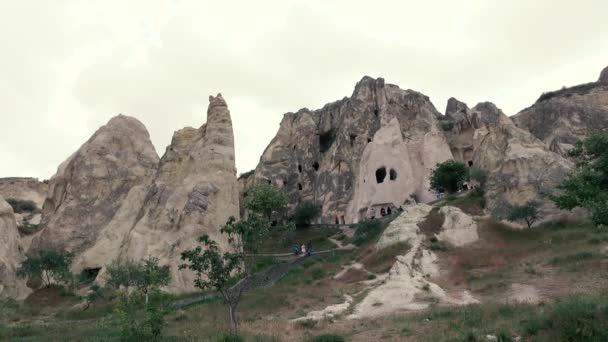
557 259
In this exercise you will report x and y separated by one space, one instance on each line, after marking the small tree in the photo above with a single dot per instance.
527 212
143 276
50 266
230 272
449 175
305 213
587 186
478 175
219 272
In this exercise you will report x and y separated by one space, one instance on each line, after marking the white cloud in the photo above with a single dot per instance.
69 66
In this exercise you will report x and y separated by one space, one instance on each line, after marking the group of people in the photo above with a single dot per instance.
383 212
304 249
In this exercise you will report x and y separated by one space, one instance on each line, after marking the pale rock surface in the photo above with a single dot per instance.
407 286
563 117
90 187
11 255
404 227
519 166
458 228
329 312
24 188
330 156
194 193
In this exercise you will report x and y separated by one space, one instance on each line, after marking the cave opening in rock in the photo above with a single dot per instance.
299 186
392 174
369 140
269 181
299 168
326 139
315 166
470 163
380 175
376 112
353 137
88 275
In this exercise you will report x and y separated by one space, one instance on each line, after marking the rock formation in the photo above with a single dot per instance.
90 187
519 165
408 285
563 117
193 193
30 189
11 255
374 149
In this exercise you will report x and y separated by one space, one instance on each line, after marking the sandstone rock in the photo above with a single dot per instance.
458 228
11 255
332 156
194 193
407 287
603 76
24 189
91 186
563 117
520 166
404 227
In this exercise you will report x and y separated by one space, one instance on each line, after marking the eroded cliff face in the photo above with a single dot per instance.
91 186
194 193
11 255
563 117
332 156
519 166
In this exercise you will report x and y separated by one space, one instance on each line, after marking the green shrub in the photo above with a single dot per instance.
328 338
229 338
305 213
317 273
447 125
22 206
367 231
573 257
535 325
28 229
580 319
449 175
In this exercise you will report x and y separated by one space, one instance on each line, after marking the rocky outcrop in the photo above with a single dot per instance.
603 76
23 188
520 167
194 193
408 285
92 185
458 228
563 117
374 149
11 255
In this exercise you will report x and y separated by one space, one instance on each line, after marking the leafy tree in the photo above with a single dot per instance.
49 266
587 186
527 212
305 213
229 272
144 276
449 175
148 325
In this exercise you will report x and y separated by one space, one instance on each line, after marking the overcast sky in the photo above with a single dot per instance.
67 67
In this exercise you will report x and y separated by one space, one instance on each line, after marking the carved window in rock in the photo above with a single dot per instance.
392 174
300 186
376 112
380 175
299 168
353 138
470 163
369 140
326 139
315 166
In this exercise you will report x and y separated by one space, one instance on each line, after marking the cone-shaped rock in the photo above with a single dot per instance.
11 255
92 185
194 193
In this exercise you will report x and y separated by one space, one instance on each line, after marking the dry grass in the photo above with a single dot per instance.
381 260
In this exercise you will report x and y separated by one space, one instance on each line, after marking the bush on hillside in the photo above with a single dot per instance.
367 231
305 213
22 206
580 319
328 338
449 175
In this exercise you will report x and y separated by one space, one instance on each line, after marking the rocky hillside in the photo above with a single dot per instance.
519 166
378 147
114 198
561 118
355 155
11 255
